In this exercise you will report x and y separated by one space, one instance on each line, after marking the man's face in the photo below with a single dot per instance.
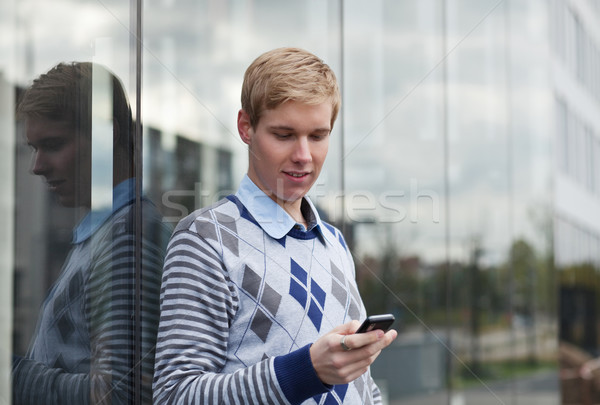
287 148
61 157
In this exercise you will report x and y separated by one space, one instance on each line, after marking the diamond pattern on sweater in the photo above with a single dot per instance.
337 273
354 310
338 283
299 290
318 293
228 237
65 326
226 221
60 303
75 286
334 397
339 292
315 314
230 242
359 384
339 289
60 363
270 299
208 230
251 282
261 325
299 272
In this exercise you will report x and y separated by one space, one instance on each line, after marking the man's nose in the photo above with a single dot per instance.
302 152
39 164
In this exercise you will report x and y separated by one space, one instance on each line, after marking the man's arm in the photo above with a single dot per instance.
35 383
111 308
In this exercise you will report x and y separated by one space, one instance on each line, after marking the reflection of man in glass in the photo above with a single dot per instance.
87 339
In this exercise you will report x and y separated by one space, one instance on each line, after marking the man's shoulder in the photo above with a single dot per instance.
223 211
331 228
334 235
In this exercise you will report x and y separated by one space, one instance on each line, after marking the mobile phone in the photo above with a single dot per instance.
373 322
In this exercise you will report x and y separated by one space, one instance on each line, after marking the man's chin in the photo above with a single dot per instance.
292 199
69 201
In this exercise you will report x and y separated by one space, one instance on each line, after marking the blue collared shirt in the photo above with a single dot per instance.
123 194
273 219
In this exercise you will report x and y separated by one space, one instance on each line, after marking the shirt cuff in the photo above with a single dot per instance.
297 376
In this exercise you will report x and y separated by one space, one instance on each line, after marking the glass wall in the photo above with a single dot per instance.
441 174
84 248
457 146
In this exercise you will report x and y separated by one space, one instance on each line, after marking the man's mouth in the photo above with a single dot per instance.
297 175
54 184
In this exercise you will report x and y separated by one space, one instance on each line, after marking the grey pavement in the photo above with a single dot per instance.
538 389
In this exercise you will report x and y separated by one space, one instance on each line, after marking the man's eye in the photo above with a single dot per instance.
282 135
319 137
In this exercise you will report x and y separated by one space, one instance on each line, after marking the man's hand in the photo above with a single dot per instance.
334 365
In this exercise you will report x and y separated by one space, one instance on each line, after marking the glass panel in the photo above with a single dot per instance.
394 163
394 176
499 143
79 334
480 188
469 273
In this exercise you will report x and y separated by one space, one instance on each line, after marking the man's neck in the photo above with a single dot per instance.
294 209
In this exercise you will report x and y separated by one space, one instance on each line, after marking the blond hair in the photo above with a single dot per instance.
288 74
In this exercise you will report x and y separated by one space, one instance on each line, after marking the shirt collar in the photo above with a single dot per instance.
123 194
271 217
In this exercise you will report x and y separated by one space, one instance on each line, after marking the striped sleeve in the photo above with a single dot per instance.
198 303
110 304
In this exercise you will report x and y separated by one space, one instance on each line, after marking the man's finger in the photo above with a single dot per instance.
359 340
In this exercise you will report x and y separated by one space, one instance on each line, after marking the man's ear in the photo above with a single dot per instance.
244 127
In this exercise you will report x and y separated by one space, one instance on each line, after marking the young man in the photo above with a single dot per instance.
258 300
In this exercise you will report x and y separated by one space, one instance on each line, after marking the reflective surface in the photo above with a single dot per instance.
88 249
96 328
461 170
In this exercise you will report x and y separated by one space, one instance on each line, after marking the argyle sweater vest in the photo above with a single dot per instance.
240 309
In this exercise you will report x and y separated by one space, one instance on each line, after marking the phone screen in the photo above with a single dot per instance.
373 322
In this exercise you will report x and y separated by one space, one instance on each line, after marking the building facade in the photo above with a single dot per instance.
463 169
